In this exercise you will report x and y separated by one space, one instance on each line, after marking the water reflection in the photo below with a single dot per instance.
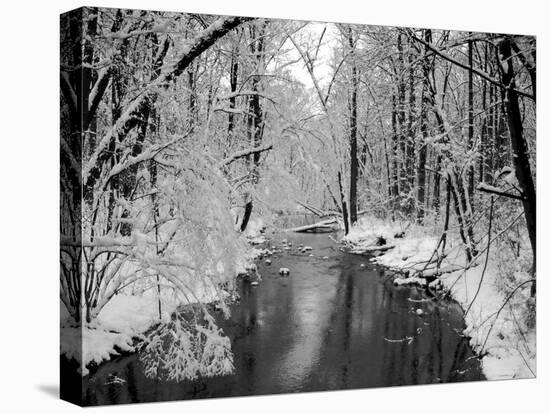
329 325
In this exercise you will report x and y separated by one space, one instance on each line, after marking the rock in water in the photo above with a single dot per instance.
251 267
254 283
284 271
267 261
419 312
380 241
362 265
325 257
308 248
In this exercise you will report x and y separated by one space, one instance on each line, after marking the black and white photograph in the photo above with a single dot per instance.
255 206
245 206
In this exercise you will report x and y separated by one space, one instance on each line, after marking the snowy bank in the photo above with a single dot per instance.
124 320
497 314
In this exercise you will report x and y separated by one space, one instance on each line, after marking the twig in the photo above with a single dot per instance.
244 153
483 251
496 314
486 259
498 192
407 339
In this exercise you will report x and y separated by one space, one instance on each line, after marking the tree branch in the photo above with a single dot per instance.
244 153
206 39
68 91
467 67
199 45
494 190
98 90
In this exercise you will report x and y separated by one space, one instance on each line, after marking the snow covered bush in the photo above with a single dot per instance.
187 347
178 236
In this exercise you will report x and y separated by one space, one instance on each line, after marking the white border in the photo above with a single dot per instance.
29 195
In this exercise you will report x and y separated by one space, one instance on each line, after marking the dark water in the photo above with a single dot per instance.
330 325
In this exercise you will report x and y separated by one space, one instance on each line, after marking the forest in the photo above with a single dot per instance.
187 138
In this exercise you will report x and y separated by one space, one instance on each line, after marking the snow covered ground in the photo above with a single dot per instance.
497 328
122 320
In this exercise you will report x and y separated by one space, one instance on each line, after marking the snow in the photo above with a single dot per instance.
511 350
123 320
118 324
490 188
254 232
507 345
409 281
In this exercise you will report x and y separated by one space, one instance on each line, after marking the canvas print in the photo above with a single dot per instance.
256 206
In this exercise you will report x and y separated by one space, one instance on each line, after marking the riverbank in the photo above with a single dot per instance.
333 323
497 322
121 324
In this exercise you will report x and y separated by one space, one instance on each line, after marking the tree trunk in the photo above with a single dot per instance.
233 79
410 140
247 213
353 135
471 169
395 156
519 145
457 189
255 126
401 116
344 204
437 186
422 154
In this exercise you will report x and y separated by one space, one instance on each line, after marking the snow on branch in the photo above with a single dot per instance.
123 35
486 188
196 47
99 241
146 155
68 90
203 41
478 72
246 93
244 153
98 89
231 110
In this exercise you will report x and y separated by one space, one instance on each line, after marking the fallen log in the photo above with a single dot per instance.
373 249
314 210
434 272
429 273
325 226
